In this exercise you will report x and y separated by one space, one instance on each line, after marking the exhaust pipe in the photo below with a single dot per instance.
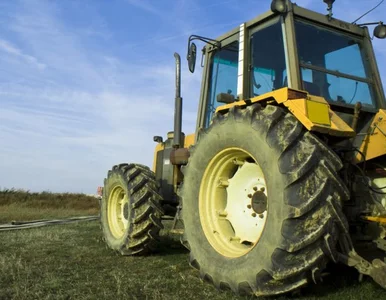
178 105
179 155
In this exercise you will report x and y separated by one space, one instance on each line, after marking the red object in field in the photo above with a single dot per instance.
100 191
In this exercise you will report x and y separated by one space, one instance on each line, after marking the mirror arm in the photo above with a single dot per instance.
372 23
209 41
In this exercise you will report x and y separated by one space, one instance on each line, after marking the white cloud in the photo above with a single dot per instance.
7 47
144 5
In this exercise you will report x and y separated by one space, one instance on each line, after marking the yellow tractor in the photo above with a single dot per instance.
286 171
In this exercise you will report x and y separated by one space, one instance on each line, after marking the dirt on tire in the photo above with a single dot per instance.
301 172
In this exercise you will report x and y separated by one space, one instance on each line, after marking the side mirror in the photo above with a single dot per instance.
380 31
192 53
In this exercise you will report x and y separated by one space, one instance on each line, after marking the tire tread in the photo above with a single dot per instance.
310 169
145 223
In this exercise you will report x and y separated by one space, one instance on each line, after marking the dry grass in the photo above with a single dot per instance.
72 262
19 205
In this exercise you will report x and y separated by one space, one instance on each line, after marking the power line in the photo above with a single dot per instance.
368 12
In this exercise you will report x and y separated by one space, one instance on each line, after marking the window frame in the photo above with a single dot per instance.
367 58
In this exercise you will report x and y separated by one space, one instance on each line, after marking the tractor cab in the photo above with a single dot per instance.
296 48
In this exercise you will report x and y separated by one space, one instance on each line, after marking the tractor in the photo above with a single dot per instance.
286 170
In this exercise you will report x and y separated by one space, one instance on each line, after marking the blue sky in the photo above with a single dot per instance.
85 84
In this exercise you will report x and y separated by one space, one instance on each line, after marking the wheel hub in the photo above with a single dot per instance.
243 205
233 202
259 202
118 211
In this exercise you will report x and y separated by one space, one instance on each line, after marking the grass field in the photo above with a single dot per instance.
72 262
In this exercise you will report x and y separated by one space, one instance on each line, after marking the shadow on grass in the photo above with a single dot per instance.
170 245
340 281
339 277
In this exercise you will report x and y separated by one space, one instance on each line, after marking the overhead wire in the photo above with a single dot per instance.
366 13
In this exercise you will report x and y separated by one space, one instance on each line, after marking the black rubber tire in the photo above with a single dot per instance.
301 174
144 209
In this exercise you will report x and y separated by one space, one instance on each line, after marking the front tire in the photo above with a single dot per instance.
267 230
130 209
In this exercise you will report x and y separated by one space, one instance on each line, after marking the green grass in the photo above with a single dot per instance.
72 262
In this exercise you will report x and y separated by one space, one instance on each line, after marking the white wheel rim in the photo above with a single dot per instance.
233 202
117 210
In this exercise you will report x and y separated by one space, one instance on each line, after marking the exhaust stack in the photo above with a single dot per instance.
178 105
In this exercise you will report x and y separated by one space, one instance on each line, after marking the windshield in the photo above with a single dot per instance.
333 65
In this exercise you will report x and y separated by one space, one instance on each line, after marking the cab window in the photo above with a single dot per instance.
223 76
268 67
337 63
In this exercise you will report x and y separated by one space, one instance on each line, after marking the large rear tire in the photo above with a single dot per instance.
130 209
254 202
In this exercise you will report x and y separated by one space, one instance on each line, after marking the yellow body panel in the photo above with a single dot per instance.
374 144
189 140
318 112
279 96
312 111
381 220
159 147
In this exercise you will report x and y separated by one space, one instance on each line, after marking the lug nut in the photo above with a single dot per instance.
249 206
223 183
261 216
238 162
255 188
262 189
254 215
249 195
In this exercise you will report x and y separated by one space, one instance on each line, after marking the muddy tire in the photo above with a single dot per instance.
294 184
130 209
